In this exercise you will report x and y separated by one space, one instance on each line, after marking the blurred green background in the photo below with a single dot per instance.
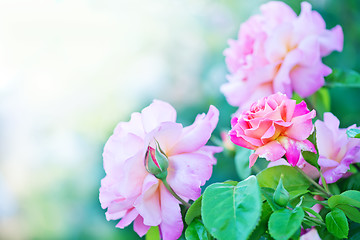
71 70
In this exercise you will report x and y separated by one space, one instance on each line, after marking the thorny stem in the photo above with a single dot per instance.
321 189
166 184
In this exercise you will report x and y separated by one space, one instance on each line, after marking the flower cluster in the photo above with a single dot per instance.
154 164
277 51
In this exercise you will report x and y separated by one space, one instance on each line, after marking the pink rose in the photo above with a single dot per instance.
274 126
129 192
336 150
278 51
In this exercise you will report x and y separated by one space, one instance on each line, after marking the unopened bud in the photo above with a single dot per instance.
281 195
156 162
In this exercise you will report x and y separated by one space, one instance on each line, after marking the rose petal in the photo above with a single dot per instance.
196 135
156 113
172 225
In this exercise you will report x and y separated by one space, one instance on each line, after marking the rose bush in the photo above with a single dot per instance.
153 164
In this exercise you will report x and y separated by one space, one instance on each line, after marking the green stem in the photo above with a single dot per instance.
324 182
311 105
321 189
316 220
166 184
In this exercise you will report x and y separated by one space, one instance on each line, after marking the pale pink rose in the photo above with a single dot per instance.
274 126
129 192
278 51
336 150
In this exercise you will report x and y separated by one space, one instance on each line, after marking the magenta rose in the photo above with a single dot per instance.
274 126
278 51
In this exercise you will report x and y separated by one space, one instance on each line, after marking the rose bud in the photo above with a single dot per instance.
281 196
156 162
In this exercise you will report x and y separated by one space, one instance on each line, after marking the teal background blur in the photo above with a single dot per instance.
71 70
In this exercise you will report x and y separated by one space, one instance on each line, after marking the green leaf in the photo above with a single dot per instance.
263 223
196 231
337 224
292 180
309 210
334 188
343 78
194 211
351 212
153 234
311 158
324 234
342 199
284 223
355 237
355 195
231 212
242 162
353 133
231 182
297 193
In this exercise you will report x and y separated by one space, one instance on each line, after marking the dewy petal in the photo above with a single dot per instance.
156 113
172 225
293 148
139 227
327 163
333 174
196 135
271 151
148 204
292 153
